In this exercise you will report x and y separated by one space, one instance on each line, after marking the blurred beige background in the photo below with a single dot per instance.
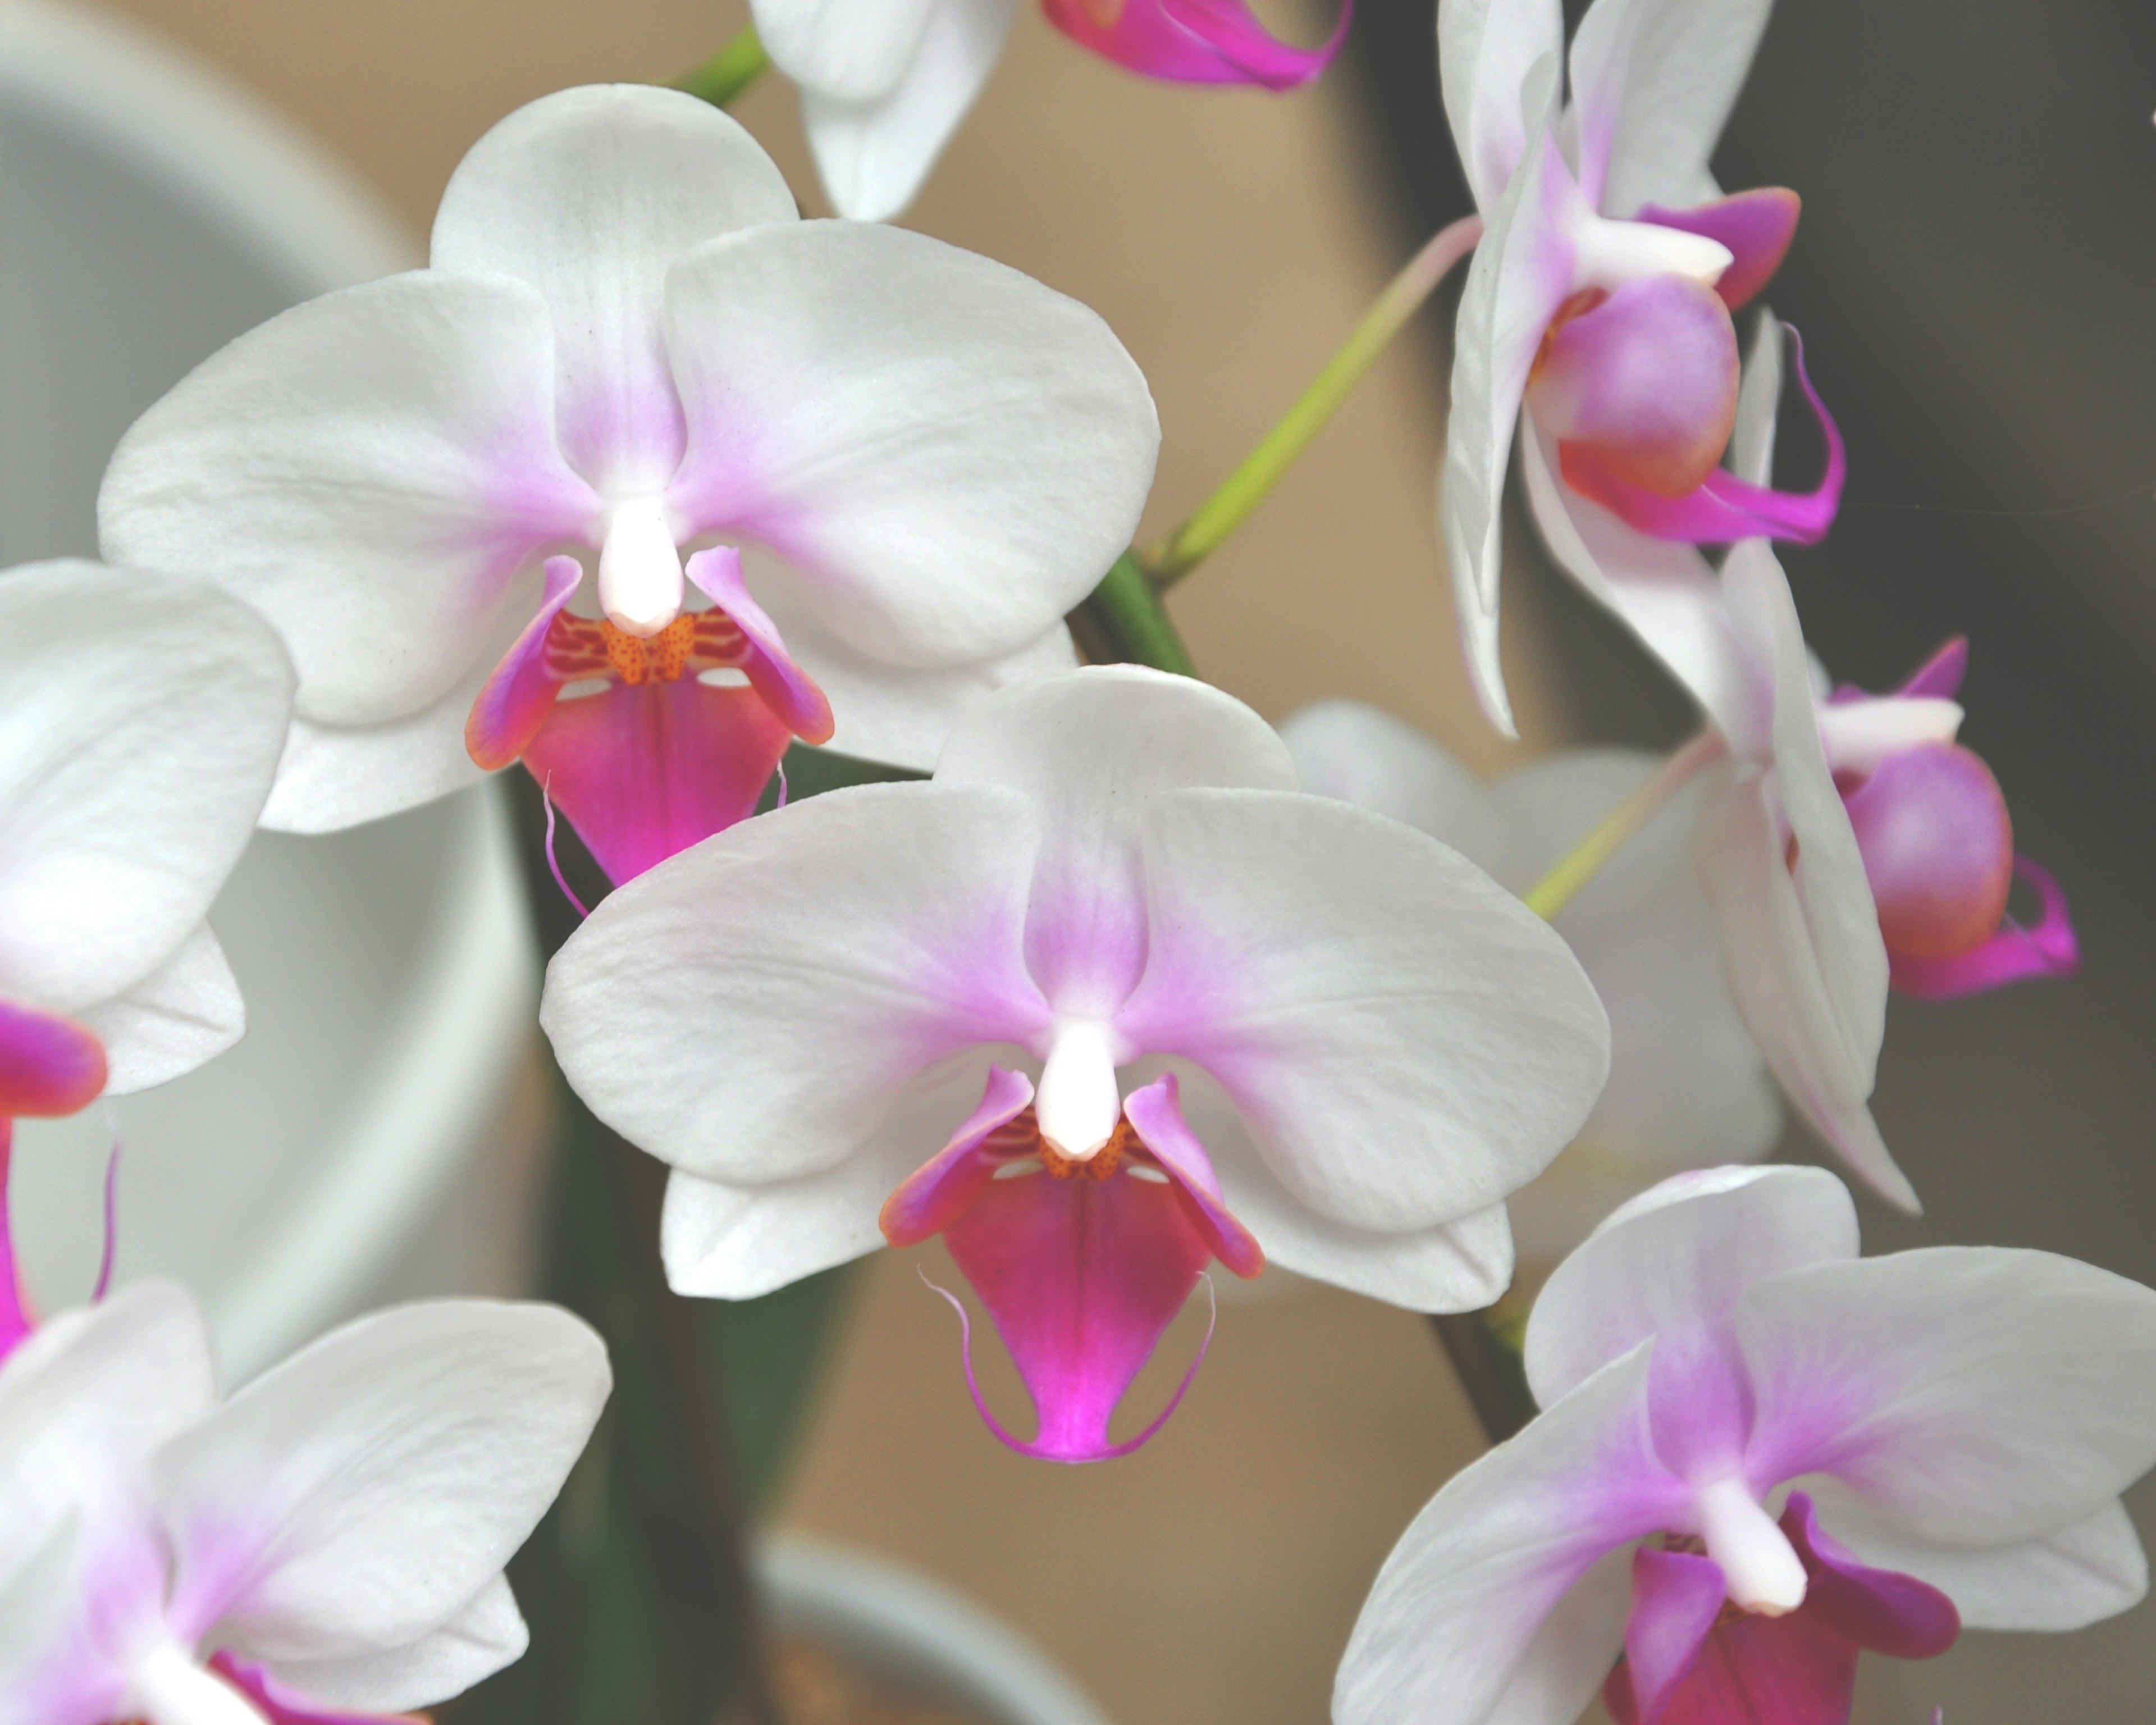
1231 239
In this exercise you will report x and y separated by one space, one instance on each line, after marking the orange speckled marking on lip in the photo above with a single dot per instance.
1102 1165
580 647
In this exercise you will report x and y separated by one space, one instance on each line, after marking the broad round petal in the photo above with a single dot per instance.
1971 1395
1486 50
1461 1605
849 49
358 1498
486 1635
1669 1267
1653 82
336 776
753 1009
185 1012
1520 275
2067 1580
948 454
369 471
1460 1265
1351 751
1406 1041
875 153
141 720
591 195
736 1242
1089 750
897 714
85 1401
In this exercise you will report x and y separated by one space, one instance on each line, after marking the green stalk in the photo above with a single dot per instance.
1249 484
731 70
1124 623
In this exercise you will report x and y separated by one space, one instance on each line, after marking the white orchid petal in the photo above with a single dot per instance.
592 195
875 152
2067 1580
736 1242
141 720
1653 82
1971 1395
1667 595
1487 50
1670 1264
485 1636
1758 403
1572 1654
1407 1041
1460 1265
369 471
849 49
1088 751
948 454
1461 1605
358 1498
1859 735
84 1402
1351 751
753 1009
898 713
336 776
1519 277
185 1012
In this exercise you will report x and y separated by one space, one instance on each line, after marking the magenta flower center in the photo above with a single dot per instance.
1938 848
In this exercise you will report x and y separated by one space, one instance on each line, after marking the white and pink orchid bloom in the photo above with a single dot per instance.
1596 318
786 480
1847 841
325 1548
1758 1453
1686 1087
140 721
886 82
1205 1015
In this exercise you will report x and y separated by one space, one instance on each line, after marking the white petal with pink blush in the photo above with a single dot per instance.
1687 1089
640 435
140 722
327 1544
1113 908
1597 316
1795 1453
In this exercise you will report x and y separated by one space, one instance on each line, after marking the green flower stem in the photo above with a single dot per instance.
1562 884
1487 1351
731 70
1249 484
1124 623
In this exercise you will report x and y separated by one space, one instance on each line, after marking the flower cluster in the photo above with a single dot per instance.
643 482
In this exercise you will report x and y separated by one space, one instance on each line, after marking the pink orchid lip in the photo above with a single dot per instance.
1756 226
1724 509
660 760
1082 1265
49 1065
2011 952
1194 41
17 1318
1691 1660
1937 844
1644 379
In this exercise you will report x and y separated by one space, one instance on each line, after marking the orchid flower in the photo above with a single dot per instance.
1686 1087
1847 841
324 1549
638 431
1757 1453
141 720
885 83
1597 313
1206 1017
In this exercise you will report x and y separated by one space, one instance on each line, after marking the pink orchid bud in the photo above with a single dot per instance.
1938 848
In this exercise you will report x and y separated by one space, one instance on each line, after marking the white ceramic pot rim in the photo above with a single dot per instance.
904 1626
